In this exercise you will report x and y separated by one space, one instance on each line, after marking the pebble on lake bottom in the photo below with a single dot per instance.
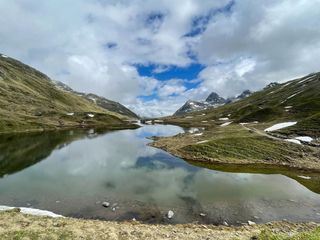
106 204
170 214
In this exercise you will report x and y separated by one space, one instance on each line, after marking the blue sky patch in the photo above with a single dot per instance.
199 24
187 73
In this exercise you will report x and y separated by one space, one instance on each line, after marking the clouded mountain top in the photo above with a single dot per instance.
30 100
212 101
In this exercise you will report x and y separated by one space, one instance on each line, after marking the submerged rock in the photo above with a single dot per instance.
106 204
170 214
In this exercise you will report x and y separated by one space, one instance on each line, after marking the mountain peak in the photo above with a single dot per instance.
244 94
214 98
190 106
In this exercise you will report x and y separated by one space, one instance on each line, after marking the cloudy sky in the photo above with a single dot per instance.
154 55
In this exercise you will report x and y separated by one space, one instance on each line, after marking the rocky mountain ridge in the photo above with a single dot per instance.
212 101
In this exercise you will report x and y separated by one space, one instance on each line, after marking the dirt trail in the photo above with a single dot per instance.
260 132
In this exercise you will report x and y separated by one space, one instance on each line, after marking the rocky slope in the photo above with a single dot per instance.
214 98
100 101
191 106
30 100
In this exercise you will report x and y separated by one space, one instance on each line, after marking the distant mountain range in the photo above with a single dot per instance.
212 101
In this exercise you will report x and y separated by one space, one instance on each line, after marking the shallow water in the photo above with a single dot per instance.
73 172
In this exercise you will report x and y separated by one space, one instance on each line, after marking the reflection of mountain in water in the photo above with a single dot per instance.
22 150
162 160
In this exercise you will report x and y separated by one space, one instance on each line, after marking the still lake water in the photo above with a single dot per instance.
73 172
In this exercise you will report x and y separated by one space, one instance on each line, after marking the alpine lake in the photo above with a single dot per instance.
73 172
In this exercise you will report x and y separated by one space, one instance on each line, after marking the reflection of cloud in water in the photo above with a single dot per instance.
158 130
120 166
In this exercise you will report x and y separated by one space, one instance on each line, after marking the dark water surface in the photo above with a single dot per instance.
72 172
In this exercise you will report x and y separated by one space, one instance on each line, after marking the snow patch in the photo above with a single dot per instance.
70 114
90 115
188 117
280 126
93 99
304 139
293 141
294 95
193 130
307 78
4 56
288 107
204 141
32 211
204 121
224 119
304 177
225 124
198 134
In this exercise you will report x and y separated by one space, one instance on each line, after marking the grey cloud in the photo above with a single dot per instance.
281 36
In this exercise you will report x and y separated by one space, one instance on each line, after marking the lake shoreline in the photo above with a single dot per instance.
190 146
74 127
160 144
15 224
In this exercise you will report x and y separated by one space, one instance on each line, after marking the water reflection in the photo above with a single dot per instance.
140 181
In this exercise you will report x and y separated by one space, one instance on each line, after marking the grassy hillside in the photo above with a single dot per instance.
100 101
234 133
29 100
297 100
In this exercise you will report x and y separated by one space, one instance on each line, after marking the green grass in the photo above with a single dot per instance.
48 234
236 143
29 100
250 148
